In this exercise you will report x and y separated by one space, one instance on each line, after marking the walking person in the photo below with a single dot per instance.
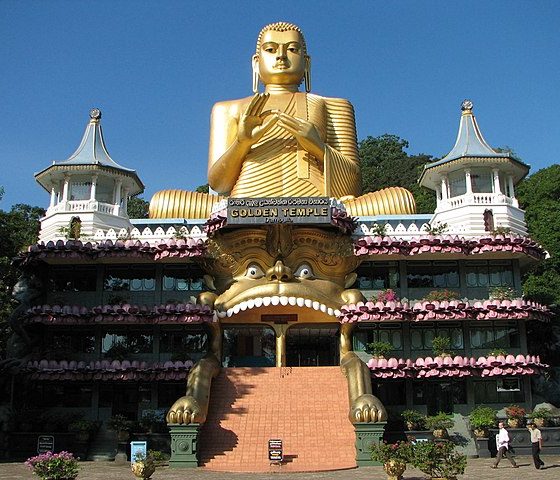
502 443
536 444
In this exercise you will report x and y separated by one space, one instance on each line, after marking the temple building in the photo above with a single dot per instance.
287 306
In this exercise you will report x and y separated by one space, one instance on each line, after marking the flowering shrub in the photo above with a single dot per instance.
400 451
515 411
444 295
439 459
388 295
54 466
502 293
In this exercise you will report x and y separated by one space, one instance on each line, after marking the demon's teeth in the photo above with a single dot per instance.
283 301
266 301
300 302
308 302
258 302
251 303
336 313
292 301
275 300
323 308
243 306
316 305
230 312
330 311
221 314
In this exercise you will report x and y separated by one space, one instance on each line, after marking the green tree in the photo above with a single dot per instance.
19 228
138 208
202 188
385 163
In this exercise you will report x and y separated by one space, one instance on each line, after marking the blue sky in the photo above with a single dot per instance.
155 68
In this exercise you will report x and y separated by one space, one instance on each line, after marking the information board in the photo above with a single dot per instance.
139 449
45 443
275 453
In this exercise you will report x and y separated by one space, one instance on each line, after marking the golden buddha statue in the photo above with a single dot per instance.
283 142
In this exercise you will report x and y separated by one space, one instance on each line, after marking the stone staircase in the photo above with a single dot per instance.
306 407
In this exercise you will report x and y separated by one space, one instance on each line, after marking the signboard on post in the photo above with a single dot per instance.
138 449
45 443
275 453
262 211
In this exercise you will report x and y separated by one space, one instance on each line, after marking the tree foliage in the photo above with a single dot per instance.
19 228
137 207
385 163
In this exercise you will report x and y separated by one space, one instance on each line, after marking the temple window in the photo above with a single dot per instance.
503 390
457 184
71 394
80 190
377 276
183 343
118 343
482 181
72 279
182 278
249 346
386 332
439 396
133 279
496 273
422 336
490 335
436 274
65 344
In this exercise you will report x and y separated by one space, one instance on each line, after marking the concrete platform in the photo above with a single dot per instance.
478 469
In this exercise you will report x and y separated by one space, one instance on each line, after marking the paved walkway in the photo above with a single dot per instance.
478 469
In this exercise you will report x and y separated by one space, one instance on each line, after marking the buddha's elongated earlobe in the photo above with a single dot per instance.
255 74
307 74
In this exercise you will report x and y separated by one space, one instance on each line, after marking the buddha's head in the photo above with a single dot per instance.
281 56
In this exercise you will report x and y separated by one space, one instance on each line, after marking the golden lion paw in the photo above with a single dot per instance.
185 410
367 409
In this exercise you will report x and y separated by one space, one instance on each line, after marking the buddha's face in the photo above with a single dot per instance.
281 59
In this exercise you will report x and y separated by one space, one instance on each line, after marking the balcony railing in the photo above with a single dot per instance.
85 206
478 199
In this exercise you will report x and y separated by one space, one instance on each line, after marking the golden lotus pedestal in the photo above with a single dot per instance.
394 469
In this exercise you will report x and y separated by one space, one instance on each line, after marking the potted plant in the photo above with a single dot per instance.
497 351
414 420
539 416
502 293
143 466
482 419
439 424
83 429
393 456
515 416
439 460
121 425
387 295
379 349
441 346
54 466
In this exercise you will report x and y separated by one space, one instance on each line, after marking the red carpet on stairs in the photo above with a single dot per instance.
306 407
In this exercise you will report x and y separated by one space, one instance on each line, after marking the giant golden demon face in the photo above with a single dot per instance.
282 266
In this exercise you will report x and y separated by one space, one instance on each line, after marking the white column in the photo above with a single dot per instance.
496 175
468 183
65 188
118 186
510 186
53 197
125 201
444 191
93 188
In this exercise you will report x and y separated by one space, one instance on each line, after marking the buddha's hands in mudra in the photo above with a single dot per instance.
305 133
254 123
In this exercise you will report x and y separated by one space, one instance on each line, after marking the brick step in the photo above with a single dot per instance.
306 407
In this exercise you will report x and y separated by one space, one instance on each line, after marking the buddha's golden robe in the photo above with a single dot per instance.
276 166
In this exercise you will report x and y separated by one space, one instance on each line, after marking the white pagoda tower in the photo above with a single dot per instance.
89 191
475 184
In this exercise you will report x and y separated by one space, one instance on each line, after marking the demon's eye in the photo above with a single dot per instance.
304 271
254 271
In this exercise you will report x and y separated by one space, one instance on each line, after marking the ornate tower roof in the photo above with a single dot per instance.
91 154
472 150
